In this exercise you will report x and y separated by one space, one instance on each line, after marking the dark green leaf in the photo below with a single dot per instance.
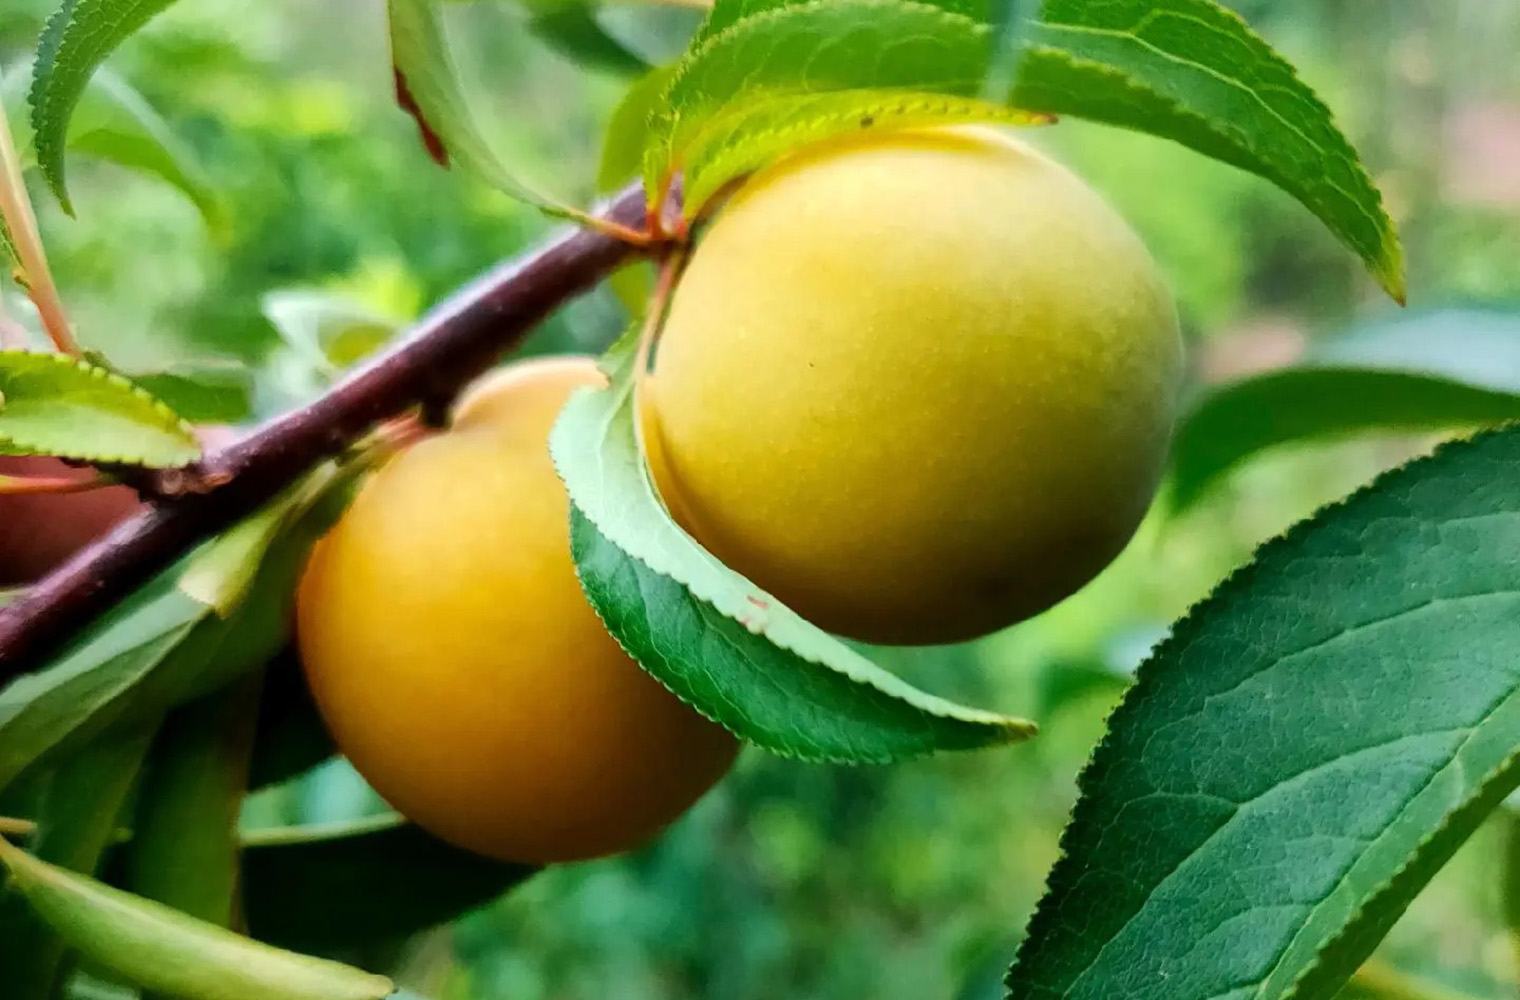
184 850
292 737
1193 71
1301 756
721 644
1441 370
51 404
574 31
1187 70
166 952
77 819
77 39
324 889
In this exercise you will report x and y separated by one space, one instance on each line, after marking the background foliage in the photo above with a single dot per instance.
800 880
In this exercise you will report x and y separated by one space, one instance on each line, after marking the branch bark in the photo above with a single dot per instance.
455 343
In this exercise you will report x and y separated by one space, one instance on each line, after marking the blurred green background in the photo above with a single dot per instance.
797 881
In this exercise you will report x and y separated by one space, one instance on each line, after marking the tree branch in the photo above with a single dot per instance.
458 341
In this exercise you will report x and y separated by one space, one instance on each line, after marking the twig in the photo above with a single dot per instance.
21 222
451 346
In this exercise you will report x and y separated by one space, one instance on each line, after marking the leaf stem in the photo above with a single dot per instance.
16 212
15 486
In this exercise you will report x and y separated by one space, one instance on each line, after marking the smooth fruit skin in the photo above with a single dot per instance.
457 662
919 385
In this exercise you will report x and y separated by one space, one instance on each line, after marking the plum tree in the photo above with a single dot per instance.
457 662
917 384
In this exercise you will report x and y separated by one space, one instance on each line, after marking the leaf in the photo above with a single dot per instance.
184 850
208 393
291 736
774 680
1187 70
428 87
628 129
731 146
329 330
1312 743
77 39
814 47
115 124
220 612
323 889
573 30
77 816
1439 370
1193 71
51 404
166 952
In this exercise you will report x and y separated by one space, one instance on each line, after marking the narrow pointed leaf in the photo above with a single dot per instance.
1187 70
51 404
162 950
77 39
721 644
1441 370
77 819
301 885
184 850
429 87
1308 748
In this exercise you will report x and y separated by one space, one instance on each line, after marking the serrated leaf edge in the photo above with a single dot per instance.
1180 635
172 422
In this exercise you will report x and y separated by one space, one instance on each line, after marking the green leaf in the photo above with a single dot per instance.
1193 71
323 889
628 129
1308 748
77 819
429 89
222 611
813 47
292 737
1187 70
732 145
574 31
77 39
1451 368
166 952
51 404
114 123
329 330
721 644
10 258
184 850
209 393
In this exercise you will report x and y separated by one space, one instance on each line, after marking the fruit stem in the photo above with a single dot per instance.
21 222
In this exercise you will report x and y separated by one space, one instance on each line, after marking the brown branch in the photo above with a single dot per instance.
451 346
